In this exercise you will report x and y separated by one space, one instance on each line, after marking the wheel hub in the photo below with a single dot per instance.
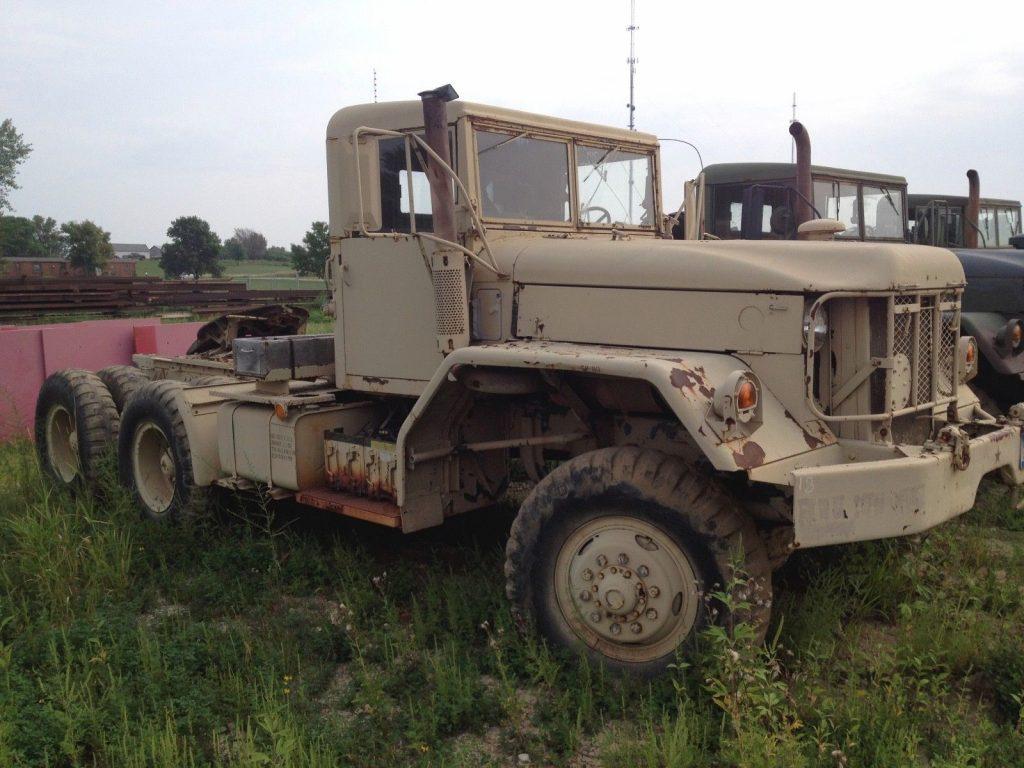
62 443
628 585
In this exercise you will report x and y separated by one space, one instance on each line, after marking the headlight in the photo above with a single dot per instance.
1010 338
738 398
967 348
820 324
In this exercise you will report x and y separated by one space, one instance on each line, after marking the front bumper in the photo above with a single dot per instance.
896 497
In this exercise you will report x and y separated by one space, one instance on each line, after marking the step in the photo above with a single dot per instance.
384 513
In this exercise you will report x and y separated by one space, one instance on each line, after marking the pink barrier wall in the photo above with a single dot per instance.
28 354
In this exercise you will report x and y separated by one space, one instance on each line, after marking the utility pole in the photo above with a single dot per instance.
632 62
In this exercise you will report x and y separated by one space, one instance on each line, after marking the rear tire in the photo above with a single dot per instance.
616 552
76 425
154 457
122 381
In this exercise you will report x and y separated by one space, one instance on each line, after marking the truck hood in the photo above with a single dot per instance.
1002 262
759 266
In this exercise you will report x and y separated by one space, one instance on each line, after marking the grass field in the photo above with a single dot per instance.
257 637
151 268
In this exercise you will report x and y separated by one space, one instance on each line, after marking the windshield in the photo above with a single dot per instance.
1007 225
883 213
615 187
838 200
522 177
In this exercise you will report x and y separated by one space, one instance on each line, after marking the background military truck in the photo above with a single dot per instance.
981 231
505 293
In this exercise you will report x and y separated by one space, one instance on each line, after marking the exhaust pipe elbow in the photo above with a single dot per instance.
973 209
804 183
435 125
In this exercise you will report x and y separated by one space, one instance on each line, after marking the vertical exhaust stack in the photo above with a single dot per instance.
973 209
804 184
435 123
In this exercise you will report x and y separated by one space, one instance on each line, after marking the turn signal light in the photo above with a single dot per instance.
968 350
746 395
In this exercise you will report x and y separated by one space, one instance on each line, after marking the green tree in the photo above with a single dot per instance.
311 257
13 151
193 249
232 249
277 253
88 245
254 245
17 238
48 236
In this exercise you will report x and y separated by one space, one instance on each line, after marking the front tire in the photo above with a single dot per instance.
76 423
154 456
616 552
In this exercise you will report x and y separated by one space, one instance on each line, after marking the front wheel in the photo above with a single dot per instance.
615 554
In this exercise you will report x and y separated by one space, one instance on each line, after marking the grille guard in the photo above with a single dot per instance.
896 311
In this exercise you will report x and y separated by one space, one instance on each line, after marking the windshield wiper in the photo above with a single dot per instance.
599 163
509 140
889 198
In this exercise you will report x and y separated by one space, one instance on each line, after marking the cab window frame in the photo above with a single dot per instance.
571 141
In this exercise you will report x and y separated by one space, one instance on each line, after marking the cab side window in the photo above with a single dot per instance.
396 198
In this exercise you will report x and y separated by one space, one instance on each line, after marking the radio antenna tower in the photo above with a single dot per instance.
374 85
792 143
632 62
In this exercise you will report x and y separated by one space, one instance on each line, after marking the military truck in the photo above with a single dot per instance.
507 298
981 232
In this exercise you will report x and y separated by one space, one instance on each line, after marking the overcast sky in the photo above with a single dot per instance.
140 112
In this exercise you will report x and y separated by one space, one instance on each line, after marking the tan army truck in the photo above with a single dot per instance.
507 296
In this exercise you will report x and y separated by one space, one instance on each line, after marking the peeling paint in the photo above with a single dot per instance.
692 380
750 457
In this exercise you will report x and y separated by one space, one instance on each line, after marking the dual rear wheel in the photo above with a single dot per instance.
82 417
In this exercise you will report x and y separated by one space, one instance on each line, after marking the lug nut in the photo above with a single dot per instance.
643 572
636 628
616 628
613 569
587 574
585 595
651 614
627 574
623 558
602 561
595 617
654 591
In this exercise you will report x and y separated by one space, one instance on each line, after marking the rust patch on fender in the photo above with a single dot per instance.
811 440
694 381
751 456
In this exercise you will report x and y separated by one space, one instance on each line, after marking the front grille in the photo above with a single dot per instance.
901 347
926 328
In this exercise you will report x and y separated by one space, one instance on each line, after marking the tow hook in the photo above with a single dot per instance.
957 441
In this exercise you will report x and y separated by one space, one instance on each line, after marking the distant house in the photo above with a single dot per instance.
156 252
20 266
130 250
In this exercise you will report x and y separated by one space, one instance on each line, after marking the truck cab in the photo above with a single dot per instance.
758 201
941 220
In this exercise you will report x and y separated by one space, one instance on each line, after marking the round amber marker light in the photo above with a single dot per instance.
971 352
746 395
1017 335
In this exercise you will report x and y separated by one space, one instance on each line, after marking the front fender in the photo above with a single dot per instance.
984 326
685 380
